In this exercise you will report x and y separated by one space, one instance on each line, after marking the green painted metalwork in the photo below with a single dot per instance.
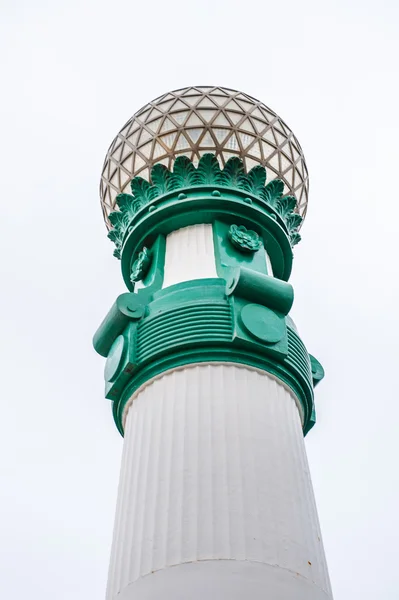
317 370
152 276
208 173
241 317
141 265
244 239
263 289
203 321
127 307
228 257
199 205
262 323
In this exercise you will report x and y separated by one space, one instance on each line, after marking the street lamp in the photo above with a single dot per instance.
204 191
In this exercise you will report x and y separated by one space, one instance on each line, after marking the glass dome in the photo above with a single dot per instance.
196 120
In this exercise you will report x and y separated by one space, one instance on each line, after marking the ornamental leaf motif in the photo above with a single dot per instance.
295 238
113 235
285 206
117 219
161 179
257 179
273 191
142 191
116 234
233 172
120 221
184 173
293 221
128 205
208 171
124 201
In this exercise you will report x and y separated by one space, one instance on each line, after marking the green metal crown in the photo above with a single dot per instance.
208 173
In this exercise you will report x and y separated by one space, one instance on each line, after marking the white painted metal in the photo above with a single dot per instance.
269 265
215 497
189 254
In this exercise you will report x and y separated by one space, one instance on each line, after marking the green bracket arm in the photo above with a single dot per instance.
261 289
317 370
128 307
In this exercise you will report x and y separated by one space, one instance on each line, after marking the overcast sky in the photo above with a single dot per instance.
72 73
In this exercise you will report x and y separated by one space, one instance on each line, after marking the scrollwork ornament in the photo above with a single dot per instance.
141 265
244 239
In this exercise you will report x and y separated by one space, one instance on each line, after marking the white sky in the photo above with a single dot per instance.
72 73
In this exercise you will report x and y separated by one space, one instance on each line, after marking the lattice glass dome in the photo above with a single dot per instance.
196 120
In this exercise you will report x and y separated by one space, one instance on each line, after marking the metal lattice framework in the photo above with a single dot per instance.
196 120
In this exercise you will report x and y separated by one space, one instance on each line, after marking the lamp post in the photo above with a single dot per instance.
204 191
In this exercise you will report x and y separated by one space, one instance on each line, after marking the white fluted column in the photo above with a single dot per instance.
215 497
189 254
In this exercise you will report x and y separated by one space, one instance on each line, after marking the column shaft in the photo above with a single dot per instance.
215 495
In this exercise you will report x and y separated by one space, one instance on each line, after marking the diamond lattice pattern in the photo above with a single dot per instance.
196 120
